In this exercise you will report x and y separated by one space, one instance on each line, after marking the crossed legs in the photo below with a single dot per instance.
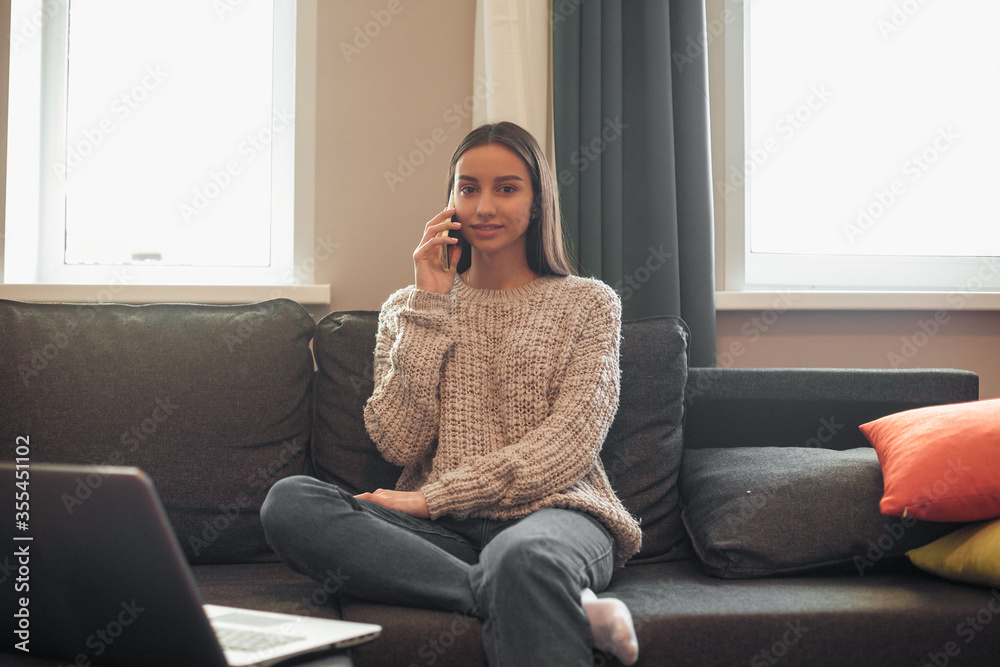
523 579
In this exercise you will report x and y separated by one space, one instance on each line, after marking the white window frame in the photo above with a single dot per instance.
823 282
291 272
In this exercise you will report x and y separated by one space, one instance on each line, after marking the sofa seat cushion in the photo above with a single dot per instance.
213 402
416 636
683 617
268 587
762 511
894 618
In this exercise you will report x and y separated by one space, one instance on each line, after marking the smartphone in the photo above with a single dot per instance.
453 233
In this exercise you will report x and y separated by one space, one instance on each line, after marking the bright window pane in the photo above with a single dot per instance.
169 110
872 128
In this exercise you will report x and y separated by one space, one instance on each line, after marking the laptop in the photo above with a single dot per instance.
104 581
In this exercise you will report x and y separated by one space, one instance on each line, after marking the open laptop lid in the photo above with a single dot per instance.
99 567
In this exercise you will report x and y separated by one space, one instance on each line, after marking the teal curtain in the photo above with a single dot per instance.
633 154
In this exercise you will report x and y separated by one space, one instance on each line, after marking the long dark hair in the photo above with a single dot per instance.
544 243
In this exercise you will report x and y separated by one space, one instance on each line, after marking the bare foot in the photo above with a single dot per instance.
611 625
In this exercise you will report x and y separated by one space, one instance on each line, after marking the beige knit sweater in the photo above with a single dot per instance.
497 402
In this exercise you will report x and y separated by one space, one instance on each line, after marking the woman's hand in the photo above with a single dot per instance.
407 502
428 272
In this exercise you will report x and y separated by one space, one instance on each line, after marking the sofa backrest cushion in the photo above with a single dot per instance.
642 453
765 511
213 402
342 452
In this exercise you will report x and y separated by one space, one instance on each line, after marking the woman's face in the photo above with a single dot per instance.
494 197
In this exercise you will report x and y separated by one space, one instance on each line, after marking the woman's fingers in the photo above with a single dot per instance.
428 246
429 270
440 223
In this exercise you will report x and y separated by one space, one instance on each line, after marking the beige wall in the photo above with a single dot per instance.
870 339
405 94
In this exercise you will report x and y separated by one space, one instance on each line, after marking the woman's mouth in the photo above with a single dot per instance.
485 230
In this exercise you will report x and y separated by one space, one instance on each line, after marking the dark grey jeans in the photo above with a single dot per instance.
521 578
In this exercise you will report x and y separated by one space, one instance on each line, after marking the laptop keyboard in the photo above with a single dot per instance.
233 639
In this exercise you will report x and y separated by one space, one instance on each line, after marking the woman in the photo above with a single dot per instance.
496 381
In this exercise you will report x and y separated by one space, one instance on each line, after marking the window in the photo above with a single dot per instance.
153 143
861 145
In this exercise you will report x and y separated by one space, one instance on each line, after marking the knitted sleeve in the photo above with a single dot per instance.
563 448
402 414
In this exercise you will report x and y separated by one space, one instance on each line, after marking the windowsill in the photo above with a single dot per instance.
309 295
782 300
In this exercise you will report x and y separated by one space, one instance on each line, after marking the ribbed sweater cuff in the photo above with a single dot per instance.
429 303
437 498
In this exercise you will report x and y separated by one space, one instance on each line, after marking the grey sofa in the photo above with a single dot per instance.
757 494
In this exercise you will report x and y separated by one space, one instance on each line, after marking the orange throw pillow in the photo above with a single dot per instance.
940 463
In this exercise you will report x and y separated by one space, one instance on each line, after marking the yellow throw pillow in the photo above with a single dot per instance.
970 554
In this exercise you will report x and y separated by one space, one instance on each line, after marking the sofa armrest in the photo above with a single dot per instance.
808 407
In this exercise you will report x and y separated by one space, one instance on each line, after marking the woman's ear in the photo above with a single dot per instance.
536 211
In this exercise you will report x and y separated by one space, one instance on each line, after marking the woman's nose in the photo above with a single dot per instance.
486 207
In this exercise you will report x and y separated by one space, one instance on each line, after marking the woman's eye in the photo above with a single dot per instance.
507 189
466 189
